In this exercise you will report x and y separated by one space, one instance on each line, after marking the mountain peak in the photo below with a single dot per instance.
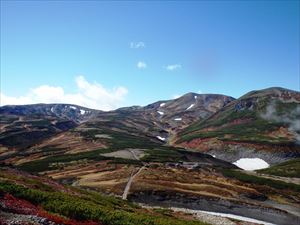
272 92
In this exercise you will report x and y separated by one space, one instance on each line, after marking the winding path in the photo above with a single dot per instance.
132 176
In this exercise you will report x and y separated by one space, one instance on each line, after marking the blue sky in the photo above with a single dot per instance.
112 54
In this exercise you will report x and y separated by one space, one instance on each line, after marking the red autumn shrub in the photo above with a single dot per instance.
19 206
60 220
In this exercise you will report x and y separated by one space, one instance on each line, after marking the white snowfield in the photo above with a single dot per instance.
82 111
178 119
191 106
251 164
72 107
52 110
162 104
195 97
161 138
160 112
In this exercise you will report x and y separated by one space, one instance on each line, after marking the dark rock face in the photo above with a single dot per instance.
243 105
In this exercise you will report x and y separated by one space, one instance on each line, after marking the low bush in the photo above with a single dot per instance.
75 207
260 180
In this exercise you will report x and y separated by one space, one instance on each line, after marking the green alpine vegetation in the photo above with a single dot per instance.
81 204
289 168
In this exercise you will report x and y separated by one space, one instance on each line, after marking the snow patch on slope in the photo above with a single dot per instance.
72 107
160 112
160 138
251 164
82 111
178 119
162 104
191 106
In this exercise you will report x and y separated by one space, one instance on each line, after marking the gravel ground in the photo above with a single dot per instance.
17 219
215 220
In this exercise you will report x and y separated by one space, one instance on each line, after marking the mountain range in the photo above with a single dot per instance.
182 152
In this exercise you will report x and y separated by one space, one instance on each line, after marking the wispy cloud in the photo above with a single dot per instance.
176 96
292 118
92 95
141 65
173 67
139 44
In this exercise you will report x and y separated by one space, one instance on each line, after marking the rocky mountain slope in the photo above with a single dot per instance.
264 124
76 129
154 154
26 125
64 111
175 114
163 118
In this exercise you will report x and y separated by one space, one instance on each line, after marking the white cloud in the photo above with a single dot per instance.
7 100
176 96
92 95
139 44
173 67
141 65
